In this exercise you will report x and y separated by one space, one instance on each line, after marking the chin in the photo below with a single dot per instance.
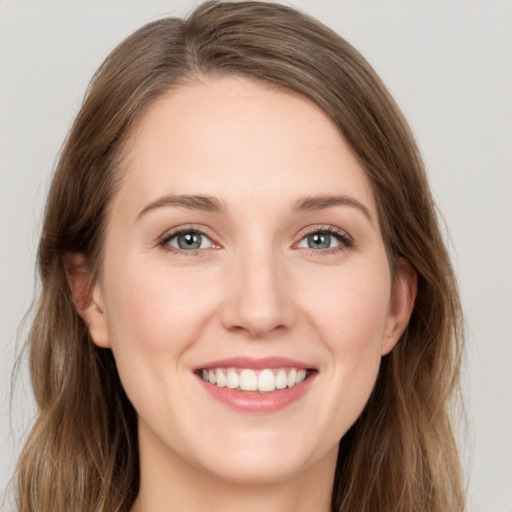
266 459
262 470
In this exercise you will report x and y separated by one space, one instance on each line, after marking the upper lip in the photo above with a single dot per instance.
255 363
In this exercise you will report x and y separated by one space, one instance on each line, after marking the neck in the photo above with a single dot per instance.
278 497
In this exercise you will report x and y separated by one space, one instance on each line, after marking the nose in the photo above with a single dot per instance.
259 295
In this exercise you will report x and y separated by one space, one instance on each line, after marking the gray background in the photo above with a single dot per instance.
449 65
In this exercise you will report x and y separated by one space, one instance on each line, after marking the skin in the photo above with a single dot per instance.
255 289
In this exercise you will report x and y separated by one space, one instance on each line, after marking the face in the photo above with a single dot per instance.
246 292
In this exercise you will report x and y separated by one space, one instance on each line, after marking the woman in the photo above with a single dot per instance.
246 300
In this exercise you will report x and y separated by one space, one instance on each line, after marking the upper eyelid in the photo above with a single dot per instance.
326 228
174 234
323 227
171 233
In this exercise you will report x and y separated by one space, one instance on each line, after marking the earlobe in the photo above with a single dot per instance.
87 297
405 288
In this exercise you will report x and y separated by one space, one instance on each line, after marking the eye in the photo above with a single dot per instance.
188 241
324 239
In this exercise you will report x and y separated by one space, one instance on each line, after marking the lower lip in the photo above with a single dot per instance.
256 402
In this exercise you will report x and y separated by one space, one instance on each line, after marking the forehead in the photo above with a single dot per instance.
240 141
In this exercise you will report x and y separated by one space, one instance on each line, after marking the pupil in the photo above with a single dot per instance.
319 241
189 241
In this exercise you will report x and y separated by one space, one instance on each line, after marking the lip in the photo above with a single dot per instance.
254 401
254 363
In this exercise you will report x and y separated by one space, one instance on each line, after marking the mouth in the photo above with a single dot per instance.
262 386
264 380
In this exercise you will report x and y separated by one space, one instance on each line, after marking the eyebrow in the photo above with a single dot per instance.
323 202
190 202
212 204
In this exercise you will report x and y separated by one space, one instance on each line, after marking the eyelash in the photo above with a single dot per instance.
345 241
164 242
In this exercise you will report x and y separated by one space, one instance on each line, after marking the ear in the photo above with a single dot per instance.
88 298
403 295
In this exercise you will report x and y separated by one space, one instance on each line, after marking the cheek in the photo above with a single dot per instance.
350 318
154 315
155 308
352 309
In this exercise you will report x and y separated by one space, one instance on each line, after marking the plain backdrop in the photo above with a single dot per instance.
449 65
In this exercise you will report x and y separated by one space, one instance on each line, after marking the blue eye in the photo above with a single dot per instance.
188 241
325 239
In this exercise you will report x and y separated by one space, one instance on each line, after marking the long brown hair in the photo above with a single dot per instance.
82 452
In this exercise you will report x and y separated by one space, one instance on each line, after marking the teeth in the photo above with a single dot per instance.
292 377
245 379
221 378
281 379
232 379
248 380
266 381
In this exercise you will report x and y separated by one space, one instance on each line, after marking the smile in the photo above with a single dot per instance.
263 380
256 385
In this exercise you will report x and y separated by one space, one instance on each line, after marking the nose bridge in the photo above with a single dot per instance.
258 300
